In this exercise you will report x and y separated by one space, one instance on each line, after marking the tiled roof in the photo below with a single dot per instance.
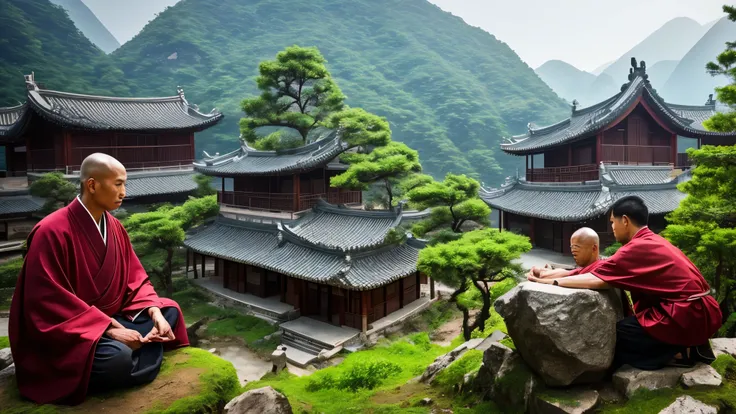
141 184
636 174
574 202
18 204
119 114
264 246
552 202
249 161
12 121
684 120
343 228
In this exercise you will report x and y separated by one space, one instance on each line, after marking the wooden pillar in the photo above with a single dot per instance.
531 230
345 305
67 151
194 264
419 284
385 300
531 173
365 298
526 165
282 286
203 266
673 149
700 142
431 288
329 303
297 185
599 148
191 143
401 293
186 267
569 155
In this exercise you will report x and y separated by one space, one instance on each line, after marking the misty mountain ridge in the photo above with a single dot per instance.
677 74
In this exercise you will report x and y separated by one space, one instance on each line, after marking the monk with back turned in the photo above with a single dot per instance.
85 316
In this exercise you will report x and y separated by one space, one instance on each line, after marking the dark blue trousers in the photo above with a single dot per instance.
117 366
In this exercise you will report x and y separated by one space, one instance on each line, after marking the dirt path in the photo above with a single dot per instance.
249 366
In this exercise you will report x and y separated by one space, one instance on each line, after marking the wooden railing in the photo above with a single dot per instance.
574 173
637 154
284 202
683 161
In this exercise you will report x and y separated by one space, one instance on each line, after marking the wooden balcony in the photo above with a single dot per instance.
576 173
285 202
636 154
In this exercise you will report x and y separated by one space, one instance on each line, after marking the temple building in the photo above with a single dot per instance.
55 131
633 143
283 233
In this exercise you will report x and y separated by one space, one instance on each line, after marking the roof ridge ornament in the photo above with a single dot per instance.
575 104
635 71
180 92
31 82
710 100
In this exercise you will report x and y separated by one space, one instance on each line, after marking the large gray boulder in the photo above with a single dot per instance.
259 401
724 346
567 336
6 358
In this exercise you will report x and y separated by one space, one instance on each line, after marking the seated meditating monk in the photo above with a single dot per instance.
84 316
584 245
673 314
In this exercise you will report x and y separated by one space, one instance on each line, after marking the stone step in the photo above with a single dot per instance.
299 358
295 342
303 338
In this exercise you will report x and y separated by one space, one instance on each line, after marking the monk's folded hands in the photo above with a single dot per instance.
129 337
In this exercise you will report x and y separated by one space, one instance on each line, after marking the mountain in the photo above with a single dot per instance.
601 68
669 42
449 90
603 88
689 82
661 71
87 22
39 36
566 80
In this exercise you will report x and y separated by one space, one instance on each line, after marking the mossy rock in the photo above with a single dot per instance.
191 381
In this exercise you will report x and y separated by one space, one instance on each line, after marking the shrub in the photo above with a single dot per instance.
362 375
9 272
610 250
728 330
421 340
454 374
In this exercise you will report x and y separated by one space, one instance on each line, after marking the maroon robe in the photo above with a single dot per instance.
671 300
70 285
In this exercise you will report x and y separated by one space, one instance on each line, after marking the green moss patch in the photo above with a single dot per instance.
191 381
9 272
468 362
4 342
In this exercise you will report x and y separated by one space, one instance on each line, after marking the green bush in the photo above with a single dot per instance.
9 272
421 340
611 250
362 375
728 330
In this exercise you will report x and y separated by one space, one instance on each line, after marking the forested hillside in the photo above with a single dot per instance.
39 36
450 91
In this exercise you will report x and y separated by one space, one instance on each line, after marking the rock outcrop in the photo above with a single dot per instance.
569 402
567 336
6 358
629 379
689 405
443 361
724 346
505 377
702 376
259 401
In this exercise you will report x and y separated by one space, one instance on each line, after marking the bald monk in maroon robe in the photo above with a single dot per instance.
84 315
673 314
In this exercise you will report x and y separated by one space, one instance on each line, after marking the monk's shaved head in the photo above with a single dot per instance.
102 179
584 244
98 166
586 235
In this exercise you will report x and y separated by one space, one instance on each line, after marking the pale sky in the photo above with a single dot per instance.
584 33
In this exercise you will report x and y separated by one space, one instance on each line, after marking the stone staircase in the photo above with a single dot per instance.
291 339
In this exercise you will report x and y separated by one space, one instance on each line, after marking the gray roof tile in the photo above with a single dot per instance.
18 204
120 114
636 174
140 185
260 245
685 120
343 228
574 202
12 121
249 161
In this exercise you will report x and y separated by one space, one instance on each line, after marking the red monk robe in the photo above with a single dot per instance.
670 296
69 287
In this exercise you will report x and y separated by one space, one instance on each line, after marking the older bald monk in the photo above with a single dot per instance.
84 314
585 247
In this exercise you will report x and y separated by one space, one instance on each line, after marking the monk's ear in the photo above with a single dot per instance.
90 184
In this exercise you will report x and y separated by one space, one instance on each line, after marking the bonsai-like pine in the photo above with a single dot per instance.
724 65
478 258
384 165
57 191
297 96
